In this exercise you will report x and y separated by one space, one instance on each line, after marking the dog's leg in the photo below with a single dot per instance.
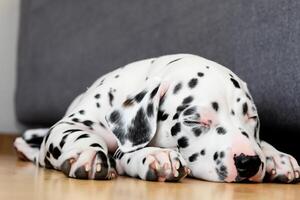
153 164
75 150
280 167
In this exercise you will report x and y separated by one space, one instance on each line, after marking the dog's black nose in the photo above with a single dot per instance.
247 166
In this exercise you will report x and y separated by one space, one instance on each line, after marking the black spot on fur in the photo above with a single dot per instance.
50 148
143 161
235 83
222 154
259 146
114 116
187 100
221 131
200 74
139 97
150 110
117 76
118 154
175 129
238 99
193 82
162 116
140 129
35 141
153 93
101 82
97 96
181 108
72 130
216 155
189 111
202 152
207 67
245 108
197 131
82 136
88 123
193 157
128 161
177 88
111 98
75 120
102 125
96 145
98 105
71 115
245 134
248 96
215 106
174 61
232 112
176 116
81 112
63 141
56 153
183 142
128 102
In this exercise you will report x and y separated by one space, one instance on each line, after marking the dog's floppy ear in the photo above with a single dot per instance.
134 123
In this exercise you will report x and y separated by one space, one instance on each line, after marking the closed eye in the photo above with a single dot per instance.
191 122
198 123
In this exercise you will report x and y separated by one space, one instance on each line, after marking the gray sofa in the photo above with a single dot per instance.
64 45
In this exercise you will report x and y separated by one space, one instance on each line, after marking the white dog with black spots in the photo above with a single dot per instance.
162 119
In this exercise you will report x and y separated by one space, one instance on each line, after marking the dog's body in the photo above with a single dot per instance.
164 118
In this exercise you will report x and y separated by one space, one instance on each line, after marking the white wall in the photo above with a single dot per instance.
9 21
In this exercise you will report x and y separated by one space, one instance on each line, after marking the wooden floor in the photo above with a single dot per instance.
23 180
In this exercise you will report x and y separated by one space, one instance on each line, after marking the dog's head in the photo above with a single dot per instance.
217 130
214 124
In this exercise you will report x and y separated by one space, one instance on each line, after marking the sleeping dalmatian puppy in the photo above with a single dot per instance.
162 119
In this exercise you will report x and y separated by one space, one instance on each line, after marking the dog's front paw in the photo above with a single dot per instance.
89 164
163 165
282 168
